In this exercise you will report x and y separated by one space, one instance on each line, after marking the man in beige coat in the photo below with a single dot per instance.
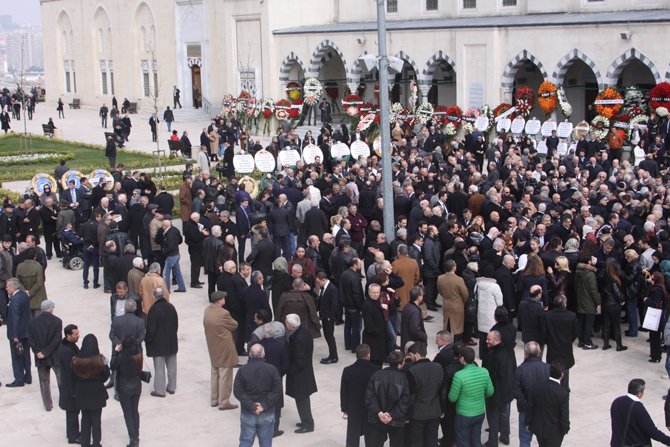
219 327
135 276
454 295
408 269
152 280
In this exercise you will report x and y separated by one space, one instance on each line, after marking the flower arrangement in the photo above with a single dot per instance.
525 100
296 109
547 97
352 105
377 92
440 114
282 108
424 113
450 130
407 115
293 90
332 89
487 112
268 108
227 106
662 112
566 108
241 105
633 97
414 98
622 122
467 127
396 108
502 108
366 121
366 108
612 103
600 126
251 107
638 119
312 92
635 111
659 96
454 116
471 113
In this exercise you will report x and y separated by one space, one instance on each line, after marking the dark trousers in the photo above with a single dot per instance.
50 239
282 244
177 102
196 263
112 162
498 419
423 432
550 442
585 328
565 381
431 290
354 431
91 425
483 350
242 245
305 412
145 248
21 365
3 304
352 329
92 257
103 121
612 324
238 337
211 283
448 430
655 345
468 329
44 374
129 405
277 416
378 433
328 325
72 425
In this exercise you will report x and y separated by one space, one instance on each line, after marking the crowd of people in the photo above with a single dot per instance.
485 229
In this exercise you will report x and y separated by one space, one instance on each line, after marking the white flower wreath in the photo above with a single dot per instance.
639 119
450 129
396 108
595 128
662 112
566 108
312 92
424 113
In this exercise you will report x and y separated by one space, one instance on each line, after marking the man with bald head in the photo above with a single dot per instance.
227 251
234 299
210 258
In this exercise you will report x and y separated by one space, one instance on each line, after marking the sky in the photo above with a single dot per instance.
22 11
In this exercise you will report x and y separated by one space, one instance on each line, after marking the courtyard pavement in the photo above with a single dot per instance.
186 418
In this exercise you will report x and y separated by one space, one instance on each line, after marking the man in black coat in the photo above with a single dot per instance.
445 355
533 370
66 351
531 314
44 338
501 367
194 238
281 228
352 297
18 319
49 216
316 223
255 299
558 330
507 284
276 354
354 382
263 254
328 312
300 380
411 323
548 413
110 151
161 342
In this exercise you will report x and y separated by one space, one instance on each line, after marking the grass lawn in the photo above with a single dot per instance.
87 158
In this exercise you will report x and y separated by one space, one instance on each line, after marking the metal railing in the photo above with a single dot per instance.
206 105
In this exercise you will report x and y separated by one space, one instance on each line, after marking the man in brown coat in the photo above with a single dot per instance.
219 327
298 301
454 295
408 269
185 199
135 276
152 280
475 201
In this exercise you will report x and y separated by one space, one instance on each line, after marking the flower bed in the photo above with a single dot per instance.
20 158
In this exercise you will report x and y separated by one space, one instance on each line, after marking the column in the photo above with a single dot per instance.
424 88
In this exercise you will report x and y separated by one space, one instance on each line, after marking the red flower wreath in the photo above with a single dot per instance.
408 116
282 108
525 100
502 108
440 114
296 108
660 96
454 115
244 95
366 108
293 90
352 105
332 90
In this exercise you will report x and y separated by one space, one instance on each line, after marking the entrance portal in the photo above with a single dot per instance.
196 86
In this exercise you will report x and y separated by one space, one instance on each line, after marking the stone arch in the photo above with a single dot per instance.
321 55
622 61
432 63
285 69
513 66
64 30
100 20
404 56
566 62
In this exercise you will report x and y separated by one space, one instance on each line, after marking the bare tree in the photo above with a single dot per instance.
154 95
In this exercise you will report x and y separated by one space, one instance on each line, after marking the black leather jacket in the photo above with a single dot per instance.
610 292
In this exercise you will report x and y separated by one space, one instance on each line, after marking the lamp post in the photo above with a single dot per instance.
387 169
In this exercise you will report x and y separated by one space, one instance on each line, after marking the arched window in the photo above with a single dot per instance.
153 38
144 39
101 40
109 38
64 42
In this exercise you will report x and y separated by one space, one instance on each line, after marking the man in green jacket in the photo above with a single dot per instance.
31 276
469 390
588 300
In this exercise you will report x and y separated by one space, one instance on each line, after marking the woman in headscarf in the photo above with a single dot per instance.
571 252
128 364
48 193
90 374
281 280
657 297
